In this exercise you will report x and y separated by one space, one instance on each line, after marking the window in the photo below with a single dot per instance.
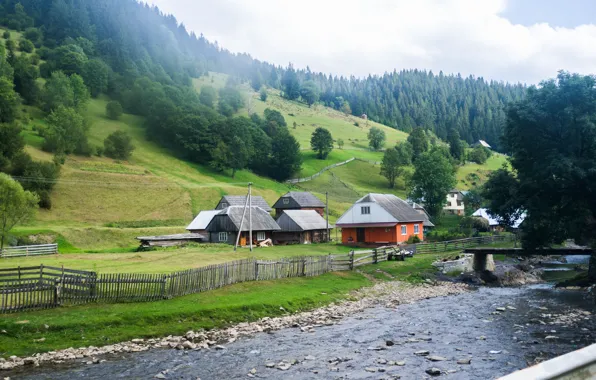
404 230
416 229
365 210
224 205
286 201
459 203
260 236
223 236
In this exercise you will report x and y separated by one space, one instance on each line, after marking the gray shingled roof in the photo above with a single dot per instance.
395 206
261 220
240 200
301 220
299 199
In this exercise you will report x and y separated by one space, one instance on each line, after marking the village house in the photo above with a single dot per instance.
301 226
240 200
380 219
225 225
493 223
298 200
428 225
201 221
455 203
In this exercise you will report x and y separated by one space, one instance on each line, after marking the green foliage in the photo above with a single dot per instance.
96 75
208 96
256 81
26 46
474 223
340 143
17 206
413 239
9 101
239 154
230 101
321 142
11 143
118 145
309 92
114 110
345 108
456 146
395 160
290 83
479 155
285 156
70 59
34 35
432 180
473 200
376 138
6 35
419 142
263 94
61 90
66 132
39 177
25 79
502 192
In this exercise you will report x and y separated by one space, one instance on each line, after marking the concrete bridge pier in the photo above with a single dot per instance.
483 262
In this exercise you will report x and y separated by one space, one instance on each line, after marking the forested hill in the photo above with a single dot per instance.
137 40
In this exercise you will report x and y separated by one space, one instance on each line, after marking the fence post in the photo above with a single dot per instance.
256 270
40 274
304 267
56 303
27 251
19 272
375 256
351 260
163 285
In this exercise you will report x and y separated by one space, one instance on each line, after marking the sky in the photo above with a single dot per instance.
510 40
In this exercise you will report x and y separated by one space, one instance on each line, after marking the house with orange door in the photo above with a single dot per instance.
380 219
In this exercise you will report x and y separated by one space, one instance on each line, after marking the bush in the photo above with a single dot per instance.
413 239
34 59
99 151
114 110
118 145
479 155
472 222
263 95
26 46
6 35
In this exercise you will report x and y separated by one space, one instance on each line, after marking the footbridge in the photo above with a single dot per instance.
482 255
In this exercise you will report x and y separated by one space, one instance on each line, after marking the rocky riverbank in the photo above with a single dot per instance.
388 294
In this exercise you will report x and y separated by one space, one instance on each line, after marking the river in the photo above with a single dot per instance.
539 322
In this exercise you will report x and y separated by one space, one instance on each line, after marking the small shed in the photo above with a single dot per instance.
225 225
481 143
298 200
201 221
240 200
171 240
301 226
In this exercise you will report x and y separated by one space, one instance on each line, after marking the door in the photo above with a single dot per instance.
360 235
243 239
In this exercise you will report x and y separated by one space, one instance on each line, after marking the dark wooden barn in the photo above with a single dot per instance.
298 200
224 226
240 200
301 226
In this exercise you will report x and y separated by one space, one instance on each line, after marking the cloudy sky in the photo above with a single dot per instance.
510 40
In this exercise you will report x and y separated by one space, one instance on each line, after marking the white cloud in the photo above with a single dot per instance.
359 37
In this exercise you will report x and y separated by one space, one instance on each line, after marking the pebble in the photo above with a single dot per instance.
269 364
464 361
433 371
381 361
500 309
284 366
309 357
389 343
400 363
551 337
494 352
421 353
370 369
436 358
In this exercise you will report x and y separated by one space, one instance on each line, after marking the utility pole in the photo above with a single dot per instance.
250 214
327 214
242 220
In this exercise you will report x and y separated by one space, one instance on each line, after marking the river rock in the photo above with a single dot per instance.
284 366
309 357
400 363
500 309
381 361
551 337
253 371
421 353
511 307
389 343
436 358
370 369
269 364
464 361
434 371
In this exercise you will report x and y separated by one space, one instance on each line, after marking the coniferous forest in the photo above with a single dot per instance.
145 60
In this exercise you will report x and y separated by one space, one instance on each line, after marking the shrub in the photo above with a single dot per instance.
99 151
26 46
34 59
413 239
263 95
479 155
114 110
118 145
6 35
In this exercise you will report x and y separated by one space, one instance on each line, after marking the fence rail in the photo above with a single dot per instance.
40 287
305 179
29 250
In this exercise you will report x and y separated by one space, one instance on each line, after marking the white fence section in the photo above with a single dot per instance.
30 250
298 180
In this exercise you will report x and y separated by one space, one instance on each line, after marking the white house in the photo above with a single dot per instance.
455 203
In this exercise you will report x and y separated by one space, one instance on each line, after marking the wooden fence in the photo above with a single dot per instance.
305 179
40 287
30 250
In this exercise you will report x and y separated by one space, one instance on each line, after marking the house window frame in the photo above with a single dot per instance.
365 210
404 230
286 201
224 204
223 233
416 229
261 235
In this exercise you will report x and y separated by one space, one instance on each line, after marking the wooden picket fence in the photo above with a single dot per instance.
41 287
29 250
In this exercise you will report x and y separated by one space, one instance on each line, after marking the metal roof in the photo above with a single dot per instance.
301 220
397 207
261 220
493 221
202 220
240 200
298 199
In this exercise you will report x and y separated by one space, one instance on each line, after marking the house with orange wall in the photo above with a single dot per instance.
380 219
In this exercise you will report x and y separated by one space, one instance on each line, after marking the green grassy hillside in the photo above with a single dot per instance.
101 204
